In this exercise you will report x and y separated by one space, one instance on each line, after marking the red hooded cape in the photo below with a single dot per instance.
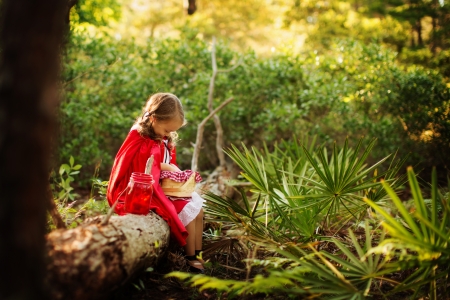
132 157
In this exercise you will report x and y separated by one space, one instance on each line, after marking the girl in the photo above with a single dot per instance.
154 133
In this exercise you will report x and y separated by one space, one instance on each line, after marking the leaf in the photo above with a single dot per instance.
64 168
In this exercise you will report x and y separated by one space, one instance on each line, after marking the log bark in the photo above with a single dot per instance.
92 260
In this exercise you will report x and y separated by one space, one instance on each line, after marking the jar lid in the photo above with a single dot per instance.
142 177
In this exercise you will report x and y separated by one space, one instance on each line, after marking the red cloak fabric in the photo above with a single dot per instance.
132 157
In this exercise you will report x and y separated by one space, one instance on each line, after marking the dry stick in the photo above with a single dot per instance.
53 210
111 210
200 129
217 124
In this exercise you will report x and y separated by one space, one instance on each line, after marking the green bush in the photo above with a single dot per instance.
351 91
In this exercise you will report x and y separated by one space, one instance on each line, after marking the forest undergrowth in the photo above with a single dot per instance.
310 222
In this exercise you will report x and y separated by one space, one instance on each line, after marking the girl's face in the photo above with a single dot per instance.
164 128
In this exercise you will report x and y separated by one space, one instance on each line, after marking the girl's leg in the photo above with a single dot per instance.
189 248
199 231
193 242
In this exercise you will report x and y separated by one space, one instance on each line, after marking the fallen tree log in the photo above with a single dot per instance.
90 261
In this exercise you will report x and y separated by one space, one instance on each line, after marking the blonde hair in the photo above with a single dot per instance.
162 107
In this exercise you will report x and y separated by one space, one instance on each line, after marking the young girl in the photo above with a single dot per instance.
154 133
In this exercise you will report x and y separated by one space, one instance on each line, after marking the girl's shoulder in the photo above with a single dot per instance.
134 134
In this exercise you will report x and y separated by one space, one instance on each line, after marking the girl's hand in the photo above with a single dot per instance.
169 167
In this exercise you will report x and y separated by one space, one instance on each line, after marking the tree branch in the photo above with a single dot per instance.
200 130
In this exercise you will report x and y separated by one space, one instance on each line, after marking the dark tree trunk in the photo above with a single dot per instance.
30 37
412 40
192 7
433 35
419 32
70 4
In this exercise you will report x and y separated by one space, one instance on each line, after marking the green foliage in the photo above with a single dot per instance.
378 98
65 198
419 240
293 190
418 30
107 83
313 273
355 90
98 13
341 180
275 211
62 183
416 246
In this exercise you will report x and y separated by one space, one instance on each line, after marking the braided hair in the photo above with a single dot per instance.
162 107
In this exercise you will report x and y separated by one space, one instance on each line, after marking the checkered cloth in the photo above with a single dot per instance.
180 176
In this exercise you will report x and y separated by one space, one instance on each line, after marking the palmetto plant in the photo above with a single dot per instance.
419 239
345 275
342 179
295 189
273 211
416 244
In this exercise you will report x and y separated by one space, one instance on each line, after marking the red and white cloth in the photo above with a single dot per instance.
187 207
182 176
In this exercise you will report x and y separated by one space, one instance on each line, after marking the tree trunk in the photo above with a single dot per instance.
419 32
192 7
92 260
31 32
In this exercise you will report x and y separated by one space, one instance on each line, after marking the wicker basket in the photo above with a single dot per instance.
178 189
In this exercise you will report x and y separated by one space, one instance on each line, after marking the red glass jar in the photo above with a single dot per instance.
139 195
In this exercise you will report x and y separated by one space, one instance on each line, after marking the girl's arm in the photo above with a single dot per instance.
169 167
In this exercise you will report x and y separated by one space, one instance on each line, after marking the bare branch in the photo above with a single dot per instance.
56 217
213 76
212 113
217 109
240 61
200 130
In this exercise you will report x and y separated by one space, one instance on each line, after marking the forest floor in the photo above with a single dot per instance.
156 284
225 260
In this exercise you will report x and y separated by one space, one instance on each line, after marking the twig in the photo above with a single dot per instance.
111 210
217 124
233 268
53 210
200 129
